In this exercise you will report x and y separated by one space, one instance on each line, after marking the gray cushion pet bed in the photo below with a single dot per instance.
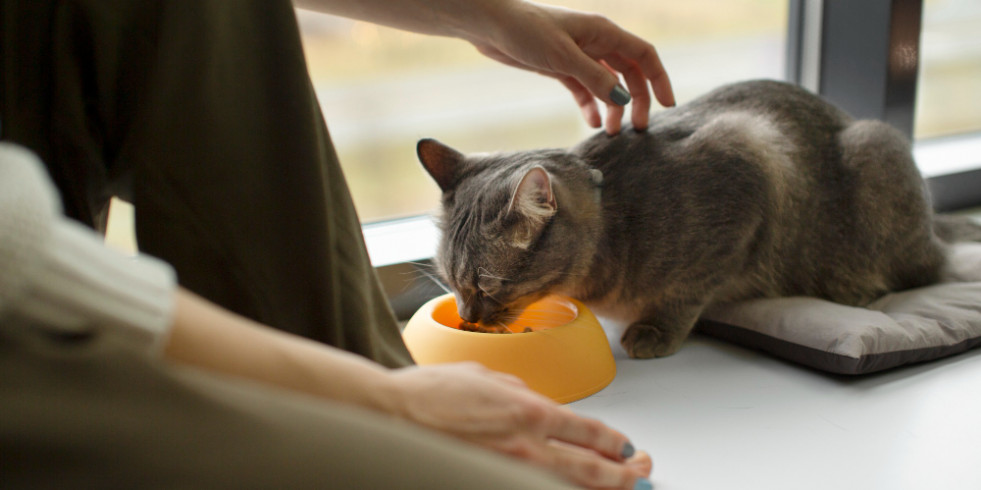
900 328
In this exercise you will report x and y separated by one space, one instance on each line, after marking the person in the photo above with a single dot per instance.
82 328
202 115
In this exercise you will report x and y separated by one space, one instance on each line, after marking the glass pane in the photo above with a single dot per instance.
382 90
949 90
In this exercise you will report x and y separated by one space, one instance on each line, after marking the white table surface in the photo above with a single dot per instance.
718 416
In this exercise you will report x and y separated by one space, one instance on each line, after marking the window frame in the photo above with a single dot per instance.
864 57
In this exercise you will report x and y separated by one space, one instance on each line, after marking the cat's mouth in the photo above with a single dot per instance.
496 317
498 314
499 328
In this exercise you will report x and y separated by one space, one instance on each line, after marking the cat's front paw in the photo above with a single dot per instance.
645 341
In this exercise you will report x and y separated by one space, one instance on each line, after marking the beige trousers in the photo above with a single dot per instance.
90 411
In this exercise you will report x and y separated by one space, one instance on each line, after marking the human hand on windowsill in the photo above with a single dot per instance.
497 411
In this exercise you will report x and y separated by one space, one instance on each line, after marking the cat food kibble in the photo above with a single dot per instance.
481 328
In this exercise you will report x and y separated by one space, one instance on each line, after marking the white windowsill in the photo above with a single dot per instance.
400 241
949 155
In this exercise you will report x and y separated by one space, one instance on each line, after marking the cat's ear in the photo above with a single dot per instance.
532 205
441 161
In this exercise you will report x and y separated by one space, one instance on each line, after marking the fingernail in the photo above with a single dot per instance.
643 484
619 95
627 451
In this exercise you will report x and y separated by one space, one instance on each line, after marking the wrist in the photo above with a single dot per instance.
477 21
387 394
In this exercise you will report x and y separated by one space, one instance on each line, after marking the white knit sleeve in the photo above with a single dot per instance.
60 275
28 206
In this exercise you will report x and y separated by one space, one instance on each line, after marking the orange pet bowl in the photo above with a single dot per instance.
565 355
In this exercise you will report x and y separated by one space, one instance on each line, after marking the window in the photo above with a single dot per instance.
948 103
906 62
382 90
948 100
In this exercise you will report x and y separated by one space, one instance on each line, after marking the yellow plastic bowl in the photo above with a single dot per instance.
565 356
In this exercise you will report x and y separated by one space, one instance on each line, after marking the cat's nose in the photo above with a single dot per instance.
469 311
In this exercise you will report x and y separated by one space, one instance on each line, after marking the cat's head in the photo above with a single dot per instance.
515 226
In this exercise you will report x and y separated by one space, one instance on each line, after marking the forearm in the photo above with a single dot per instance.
464 19
580 49
207 337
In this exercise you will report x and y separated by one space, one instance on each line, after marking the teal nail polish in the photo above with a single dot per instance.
643 484
619 95
627 451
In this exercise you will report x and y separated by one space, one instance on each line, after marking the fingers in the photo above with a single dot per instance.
614 118
589 79
568 427
640 98
585 100
590 109
550 421
637 85
635 59
583 97
606 76
529 426
642 462
593 74
508 379
588 54
590 470
640 53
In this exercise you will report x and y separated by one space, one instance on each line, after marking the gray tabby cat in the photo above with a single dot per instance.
757 189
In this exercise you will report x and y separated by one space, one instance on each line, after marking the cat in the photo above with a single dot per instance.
756 189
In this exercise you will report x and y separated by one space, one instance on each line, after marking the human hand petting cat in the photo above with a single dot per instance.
583 51
499 412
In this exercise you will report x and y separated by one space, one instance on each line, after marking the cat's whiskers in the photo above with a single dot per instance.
421 268
416 272
482 272
421 265
547 311
491 296
503 326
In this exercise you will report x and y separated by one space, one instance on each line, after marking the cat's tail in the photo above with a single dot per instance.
953 228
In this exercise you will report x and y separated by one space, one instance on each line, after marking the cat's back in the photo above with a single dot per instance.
769 164
777 128
799 115
746 121
782 100
701 178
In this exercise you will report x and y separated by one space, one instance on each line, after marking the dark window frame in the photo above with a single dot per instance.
864 57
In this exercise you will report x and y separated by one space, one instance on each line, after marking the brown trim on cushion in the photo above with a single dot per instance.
829 361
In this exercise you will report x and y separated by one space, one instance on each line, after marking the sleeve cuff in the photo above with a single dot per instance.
82 282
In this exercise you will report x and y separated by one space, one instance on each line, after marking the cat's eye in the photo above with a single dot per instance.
490 291
489 285
484 294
